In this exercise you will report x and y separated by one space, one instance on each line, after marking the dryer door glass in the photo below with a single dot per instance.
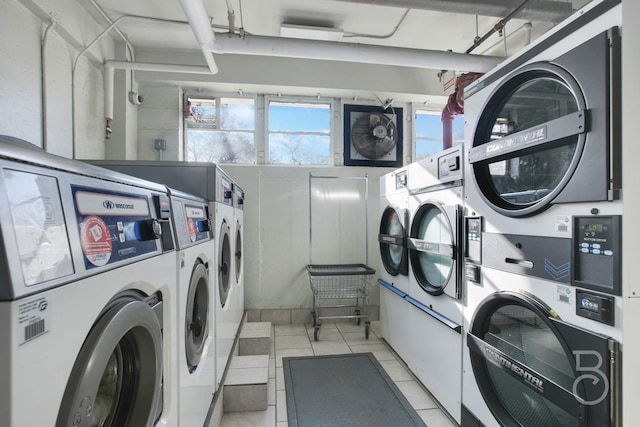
392 242
432 246
528 140
524 337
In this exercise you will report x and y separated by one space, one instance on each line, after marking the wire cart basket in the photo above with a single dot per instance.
340 285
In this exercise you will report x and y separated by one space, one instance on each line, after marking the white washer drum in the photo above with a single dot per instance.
548 133
533 369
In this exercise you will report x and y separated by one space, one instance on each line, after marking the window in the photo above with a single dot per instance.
299 133
428 133
220 130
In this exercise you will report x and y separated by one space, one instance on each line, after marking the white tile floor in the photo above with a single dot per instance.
335 338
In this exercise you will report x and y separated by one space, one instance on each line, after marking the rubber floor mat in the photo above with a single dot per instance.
343 390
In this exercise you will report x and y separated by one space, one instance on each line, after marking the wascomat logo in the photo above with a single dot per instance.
505 363
109 204
389 239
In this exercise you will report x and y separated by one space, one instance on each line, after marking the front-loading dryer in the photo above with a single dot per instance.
87 295
530 361
435 187
196 309
394 279
543 202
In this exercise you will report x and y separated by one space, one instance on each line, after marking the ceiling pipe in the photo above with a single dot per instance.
111 66
540 10
353 52
198 19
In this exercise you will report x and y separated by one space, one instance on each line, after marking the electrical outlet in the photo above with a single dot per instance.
160 144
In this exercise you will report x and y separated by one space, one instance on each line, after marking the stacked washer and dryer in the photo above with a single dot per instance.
543 306
87 295
394 279
435 186
421 313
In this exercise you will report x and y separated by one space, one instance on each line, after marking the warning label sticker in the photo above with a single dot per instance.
192 229
33 319
95 240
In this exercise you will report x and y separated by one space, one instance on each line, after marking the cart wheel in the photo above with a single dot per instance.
358 320
316 333
366 331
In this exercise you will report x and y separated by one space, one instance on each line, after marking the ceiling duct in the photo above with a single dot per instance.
353 52
539 10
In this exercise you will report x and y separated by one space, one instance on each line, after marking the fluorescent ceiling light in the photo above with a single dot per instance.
310 33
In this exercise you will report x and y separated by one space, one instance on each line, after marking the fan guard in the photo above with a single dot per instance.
373 135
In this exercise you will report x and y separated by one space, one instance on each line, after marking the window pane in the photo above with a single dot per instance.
294 117
237 114
429 133
299 149
219 146
201 112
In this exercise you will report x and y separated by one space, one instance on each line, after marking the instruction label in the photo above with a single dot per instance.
109 225
563 224
34 319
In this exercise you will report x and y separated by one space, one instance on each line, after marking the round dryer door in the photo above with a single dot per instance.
431 245
197 315
534 369
529 139
238 252
393 246
117 377
224 262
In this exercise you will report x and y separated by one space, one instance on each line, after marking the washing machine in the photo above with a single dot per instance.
542 140
212 183
228 313
238 239
195 309
87 295
435 187
394 279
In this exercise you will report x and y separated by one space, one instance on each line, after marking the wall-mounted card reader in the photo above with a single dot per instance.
596 253
600 308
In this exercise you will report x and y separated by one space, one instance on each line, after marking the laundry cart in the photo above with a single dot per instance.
344 287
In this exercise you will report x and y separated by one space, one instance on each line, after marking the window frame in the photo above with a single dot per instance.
268 99
203 127
420 109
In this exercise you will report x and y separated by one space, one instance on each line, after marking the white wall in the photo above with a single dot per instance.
160 117
22 24
276 240
631 207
